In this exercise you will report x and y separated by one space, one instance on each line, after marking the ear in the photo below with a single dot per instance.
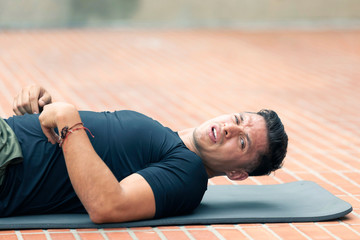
237 175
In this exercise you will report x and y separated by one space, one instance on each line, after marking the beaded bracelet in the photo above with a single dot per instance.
66 131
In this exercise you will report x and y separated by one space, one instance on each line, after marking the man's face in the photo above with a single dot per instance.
233 141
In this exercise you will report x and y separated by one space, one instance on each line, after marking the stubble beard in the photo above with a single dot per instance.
196 143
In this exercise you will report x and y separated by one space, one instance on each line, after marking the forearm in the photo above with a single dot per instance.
94 183
104 198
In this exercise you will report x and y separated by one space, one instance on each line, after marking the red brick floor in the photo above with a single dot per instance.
181 78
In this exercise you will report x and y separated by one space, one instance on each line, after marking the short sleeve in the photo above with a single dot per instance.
178 183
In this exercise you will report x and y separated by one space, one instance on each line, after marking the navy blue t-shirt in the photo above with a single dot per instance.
128 142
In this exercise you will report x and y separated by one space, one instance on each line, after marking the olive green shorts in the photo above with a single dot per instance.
10 150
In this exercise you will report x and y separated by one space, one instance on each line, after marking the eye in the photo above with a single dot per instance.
242 143
237 120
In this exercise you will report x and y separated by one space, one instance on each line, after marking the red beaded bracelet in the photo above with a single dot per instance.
66 131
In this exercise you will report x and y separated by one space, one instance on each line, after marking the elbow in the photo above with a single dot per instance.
101 211
103 215
97 218
100 216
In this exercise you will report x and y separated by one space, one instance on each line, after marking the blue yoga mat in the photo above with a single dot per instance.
302 201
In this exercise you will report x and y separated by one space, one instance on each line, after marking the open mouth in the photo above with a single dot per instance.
214 132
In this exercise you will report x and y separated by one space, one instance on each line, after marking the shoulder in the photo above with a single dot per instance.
178 182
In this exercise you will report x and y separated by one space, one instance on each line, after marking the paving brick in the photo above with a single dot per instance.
203 234
351 219
33 236
285 176
3 232
90 236
342 232
232 234
342 182
176 235
8 237
266 180
356 228
221 180
287 232
62 236
315 232
309 77
148 235
355 202
259 233
118 235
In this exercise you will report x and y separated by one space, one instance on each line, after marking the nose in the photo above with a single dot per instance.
231 130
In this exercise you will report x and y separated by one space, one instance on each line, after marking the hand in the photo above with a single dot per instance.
31 100
56 115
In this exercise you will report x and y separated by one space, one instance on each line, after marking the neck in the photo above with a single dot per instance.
187 136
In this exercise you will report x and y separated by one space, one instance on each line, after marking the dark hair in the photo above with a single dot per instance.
273 158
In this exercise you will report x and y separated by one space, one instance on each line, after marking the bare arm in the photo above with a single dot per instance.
104 198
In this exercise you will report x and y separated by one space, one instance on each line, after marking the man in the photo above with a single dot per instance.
124 166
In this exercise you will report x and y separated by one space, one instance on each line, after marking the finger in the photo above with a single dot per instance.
25 101
19 105
45 98
50 134
34 95
56 137
15 106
